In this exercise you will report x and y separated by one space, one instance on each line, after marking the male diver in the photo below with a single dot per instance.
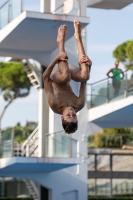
57 78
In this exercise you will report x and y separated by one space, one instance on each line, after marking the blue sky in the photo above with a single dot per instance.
107 29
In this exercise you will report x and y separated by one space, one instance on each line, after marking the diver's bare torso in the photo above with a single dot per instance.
63 93
63 97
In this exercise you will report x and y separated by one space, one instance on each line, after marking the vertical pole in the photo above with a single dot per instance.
95 187
21 4
126 86
43 117
95 162
91 96
79 8
3 187
111 192
107 90
12 142
0 19
0 139
9 11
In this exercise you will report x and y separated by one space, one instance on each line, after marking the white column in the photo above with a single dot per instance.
45 6
82 7
51 136
43 125
43 122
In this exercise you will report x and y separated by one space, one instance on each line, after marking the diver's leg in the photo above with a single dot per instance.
82 73
61 73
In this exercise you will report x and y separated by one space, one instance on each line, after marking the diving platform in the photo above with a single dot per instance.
108 110
108 4
113 115
31 164
34 34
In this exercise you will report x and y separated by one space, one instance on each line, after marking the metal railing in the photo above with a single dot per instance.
104 91
58 144
111 140
13 8
30 146
32 71
109 172
75 10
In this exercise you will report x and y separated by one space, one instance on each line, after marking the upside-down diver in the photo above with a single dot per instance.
57 76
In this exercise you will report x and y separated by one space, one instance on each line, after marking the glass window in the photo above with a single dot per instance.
103 187
4 15
7 143
73 11
58 145
15 8
122 163
91 162
103 162
99 93
122 187
117 89
31 5
91 187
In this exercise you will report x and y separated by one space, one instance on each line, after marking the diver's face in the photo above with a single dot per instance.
116 64
69 115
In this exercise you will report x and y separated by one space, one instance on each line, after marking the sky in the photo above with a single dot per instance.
107 29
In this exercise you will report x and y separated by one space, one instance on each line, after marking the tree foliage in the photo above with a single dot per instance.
124 54
13 82
111 138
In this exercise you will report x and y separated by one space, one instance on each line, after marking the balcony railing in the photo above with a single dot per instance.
102 92
13 8
110 172
57 144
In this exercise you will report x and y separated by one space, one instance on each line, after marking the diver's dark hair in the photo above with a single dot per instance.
69 127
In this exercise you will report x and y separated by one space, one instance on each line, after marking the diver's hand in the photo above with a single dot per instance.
62 57
85 59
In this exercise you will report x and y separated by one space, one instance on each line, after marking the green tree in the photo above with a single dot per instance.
13 83
124 54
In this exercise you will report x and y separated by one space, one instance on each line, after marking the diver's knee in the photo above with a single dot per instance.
66 77
85 76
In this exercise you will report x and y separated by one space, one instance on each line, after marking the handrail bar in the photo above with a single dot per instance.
4 4
54 133
32 134
98 81
103 79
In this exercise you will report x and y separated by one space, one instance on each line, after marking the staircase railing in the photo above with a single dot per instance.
57 144
103 91
33 190
32 71
30 146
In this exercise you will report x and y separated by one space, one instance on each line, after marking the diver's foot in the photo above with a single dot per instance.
61 33
78 28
